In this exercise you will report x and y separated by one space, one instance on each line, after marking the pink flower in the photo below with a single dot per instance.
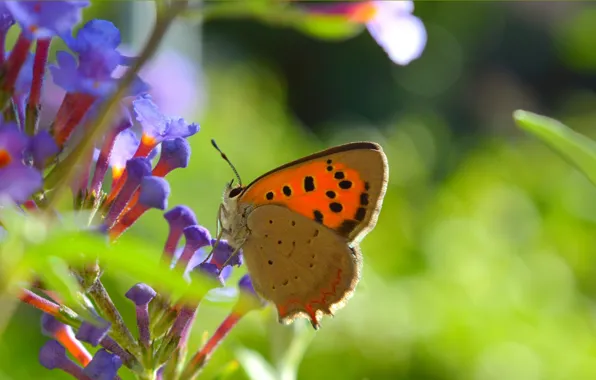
391 23
401 34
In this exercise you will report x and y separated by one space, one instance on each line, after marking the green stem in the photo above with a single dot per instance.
63 172
121 334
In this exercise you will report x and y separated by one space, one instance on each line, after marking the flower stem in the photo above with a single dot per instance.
65 170
120 332
34 104
199 360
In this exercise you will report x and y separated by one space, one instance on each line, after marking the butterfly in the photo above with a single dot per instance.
299 227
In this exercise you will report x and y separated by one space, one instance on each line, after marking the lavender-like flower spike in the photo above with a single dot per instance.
178 219
210 270
53 356
154 193
18 182
41 147
6 20
175 153
93 333
249 299
137 168
50 325
95 45
158 127
197 237
43 19
222 253
141 294
104 366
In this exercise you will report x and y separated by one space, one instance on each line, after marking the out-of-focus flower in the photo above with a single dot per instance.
176 85
17 180
158 127
42 19
391 23
95 46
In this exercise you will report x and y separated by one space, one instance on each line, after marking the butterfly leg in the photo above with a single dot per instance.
219 230
231 257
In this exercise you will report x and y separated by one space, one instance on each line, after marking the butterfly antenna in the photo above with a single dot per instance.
223 155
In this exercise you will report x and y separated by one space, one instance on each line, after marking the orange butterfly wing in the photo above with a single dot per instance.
341 188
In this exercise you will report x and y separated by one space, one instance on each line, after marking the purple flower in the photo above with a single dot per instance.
103 366
125 146
210 270
401 34
140 294
247 290
6 19
95 46
25 76
17 181
137 168
93 333
197 237
52 355
175 83
154 192
175 153
158 127
223 252
41 147
43 19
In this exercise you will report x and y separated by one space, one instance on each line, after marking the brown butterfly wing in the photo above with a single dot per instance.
342 188
298 264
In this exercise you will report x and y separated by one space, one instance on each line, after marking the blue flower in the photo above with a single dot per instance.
41 147
95 46
17 181
103 366
158 127
43 19
6 19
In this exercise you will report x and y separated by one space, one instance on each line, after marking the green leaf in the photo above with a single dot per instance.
577 149
328 27
128 256
255 366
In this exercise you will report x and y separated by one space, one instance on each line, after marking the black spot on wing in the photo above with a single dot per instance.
345 185
347 226
309 184
339 175
287 191
364 199
330 194
360 214
269 195
336 207
318 216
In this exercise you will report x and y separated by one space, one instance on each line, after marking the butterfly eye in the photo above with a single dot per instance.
235 192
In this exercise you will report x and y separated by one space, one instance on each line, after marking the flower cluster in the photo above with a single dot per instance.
31 158
121 176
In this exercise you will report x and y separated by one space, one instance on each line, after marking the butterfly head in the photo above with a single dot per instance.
233 191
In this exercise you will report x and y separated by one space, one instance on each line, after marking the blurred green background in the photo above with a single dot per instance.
482 263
